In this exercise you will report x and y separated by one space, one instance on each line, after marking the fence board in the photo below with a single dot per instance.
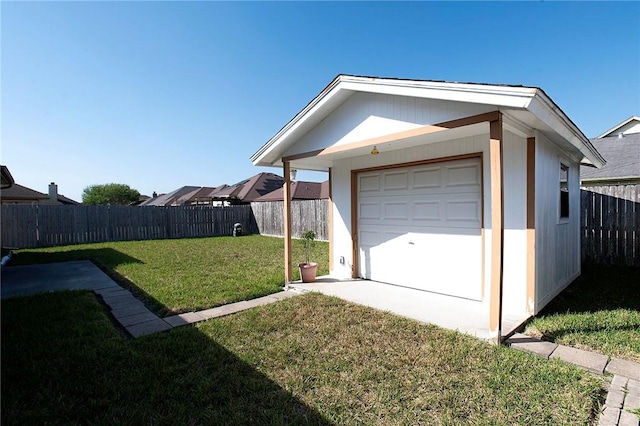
28 226
305 215
610 224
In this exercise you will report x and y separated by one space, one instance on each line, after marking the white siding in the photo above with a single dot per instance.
368 115
515 224
557 240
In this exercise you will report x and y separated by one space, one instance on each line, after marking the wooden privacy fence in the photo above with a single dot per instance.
305 215
610 224
27 226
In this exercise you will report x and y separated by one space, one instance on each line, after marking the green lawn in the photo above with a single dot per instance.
175 276
599 312
310 359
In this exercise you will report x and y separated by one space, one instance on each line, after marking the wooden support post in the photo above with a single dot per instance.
288 273
497 229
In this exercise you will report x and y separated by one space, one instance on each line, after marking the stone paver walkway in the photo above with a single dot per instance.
624 390
140 321
130 312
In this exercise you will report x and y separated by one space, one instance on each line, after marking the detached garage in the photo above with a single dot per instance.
459 196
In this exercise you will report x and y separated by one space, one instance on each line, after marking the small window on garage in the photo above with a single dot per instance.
564 191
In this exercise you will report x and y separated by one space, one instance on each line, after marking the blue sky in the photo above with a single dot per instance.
158 95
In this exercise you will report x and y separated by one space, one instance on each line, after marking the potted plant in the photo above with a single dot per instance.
308 269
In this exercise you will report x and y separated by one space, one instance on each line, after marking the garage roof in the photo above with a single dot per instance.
527 105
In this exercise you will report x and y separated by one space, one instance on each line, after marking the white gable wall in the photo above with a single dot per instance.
368 115
557 240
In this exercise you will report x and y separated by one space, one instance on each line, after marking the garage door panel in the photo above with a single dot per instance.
451 263
426 210
420 227
376 245
396 211
427 177
369 211
395 181
462 175
369 183
463 212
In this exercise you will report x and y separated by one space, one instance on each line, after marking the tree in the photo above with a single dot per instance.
110 193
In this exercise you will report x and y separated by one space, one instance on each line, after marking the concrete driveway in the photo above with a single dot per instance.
466 316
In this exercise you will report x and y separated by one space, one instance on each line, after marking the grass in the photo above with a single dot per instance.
599 312
311 359
175 276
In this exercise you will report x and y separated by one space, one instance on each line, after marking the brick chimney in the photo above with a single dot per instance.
53 192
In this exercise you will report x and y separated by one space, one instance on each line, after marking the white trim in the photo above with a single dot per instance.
517 127
616 127
514 97
544 108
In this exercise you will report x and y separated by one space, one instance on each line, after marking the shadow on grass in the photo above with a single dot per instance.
599 288
600 310
107 259
68 365
105 256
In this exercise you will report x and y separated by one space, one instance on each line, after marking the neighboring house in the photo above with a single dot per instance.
141 199
464 190
246 191
198 197
18 194
620 146
7 179
300 190
170 198
243 192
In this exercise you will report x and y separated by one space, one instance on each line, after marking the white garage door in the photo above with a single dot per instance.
420 227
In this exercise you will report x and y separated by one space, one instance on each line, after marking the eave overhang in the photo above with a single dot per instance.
525 109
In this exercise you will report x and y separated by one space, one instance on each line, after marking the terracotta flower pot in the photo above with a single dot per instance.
308 271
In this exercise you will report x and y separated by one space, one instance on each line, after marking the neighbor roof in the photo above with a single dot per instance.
300 190
170 198
527 105
66 200
22 193
249 189
203 193
632 122
244 191
623 159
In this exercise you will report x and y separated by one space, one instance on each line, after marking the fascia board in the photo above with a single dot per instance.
510 97
298 120
543 108
631 178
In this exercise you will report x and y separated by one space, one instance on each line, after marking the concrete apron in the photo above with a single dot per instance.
454 313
